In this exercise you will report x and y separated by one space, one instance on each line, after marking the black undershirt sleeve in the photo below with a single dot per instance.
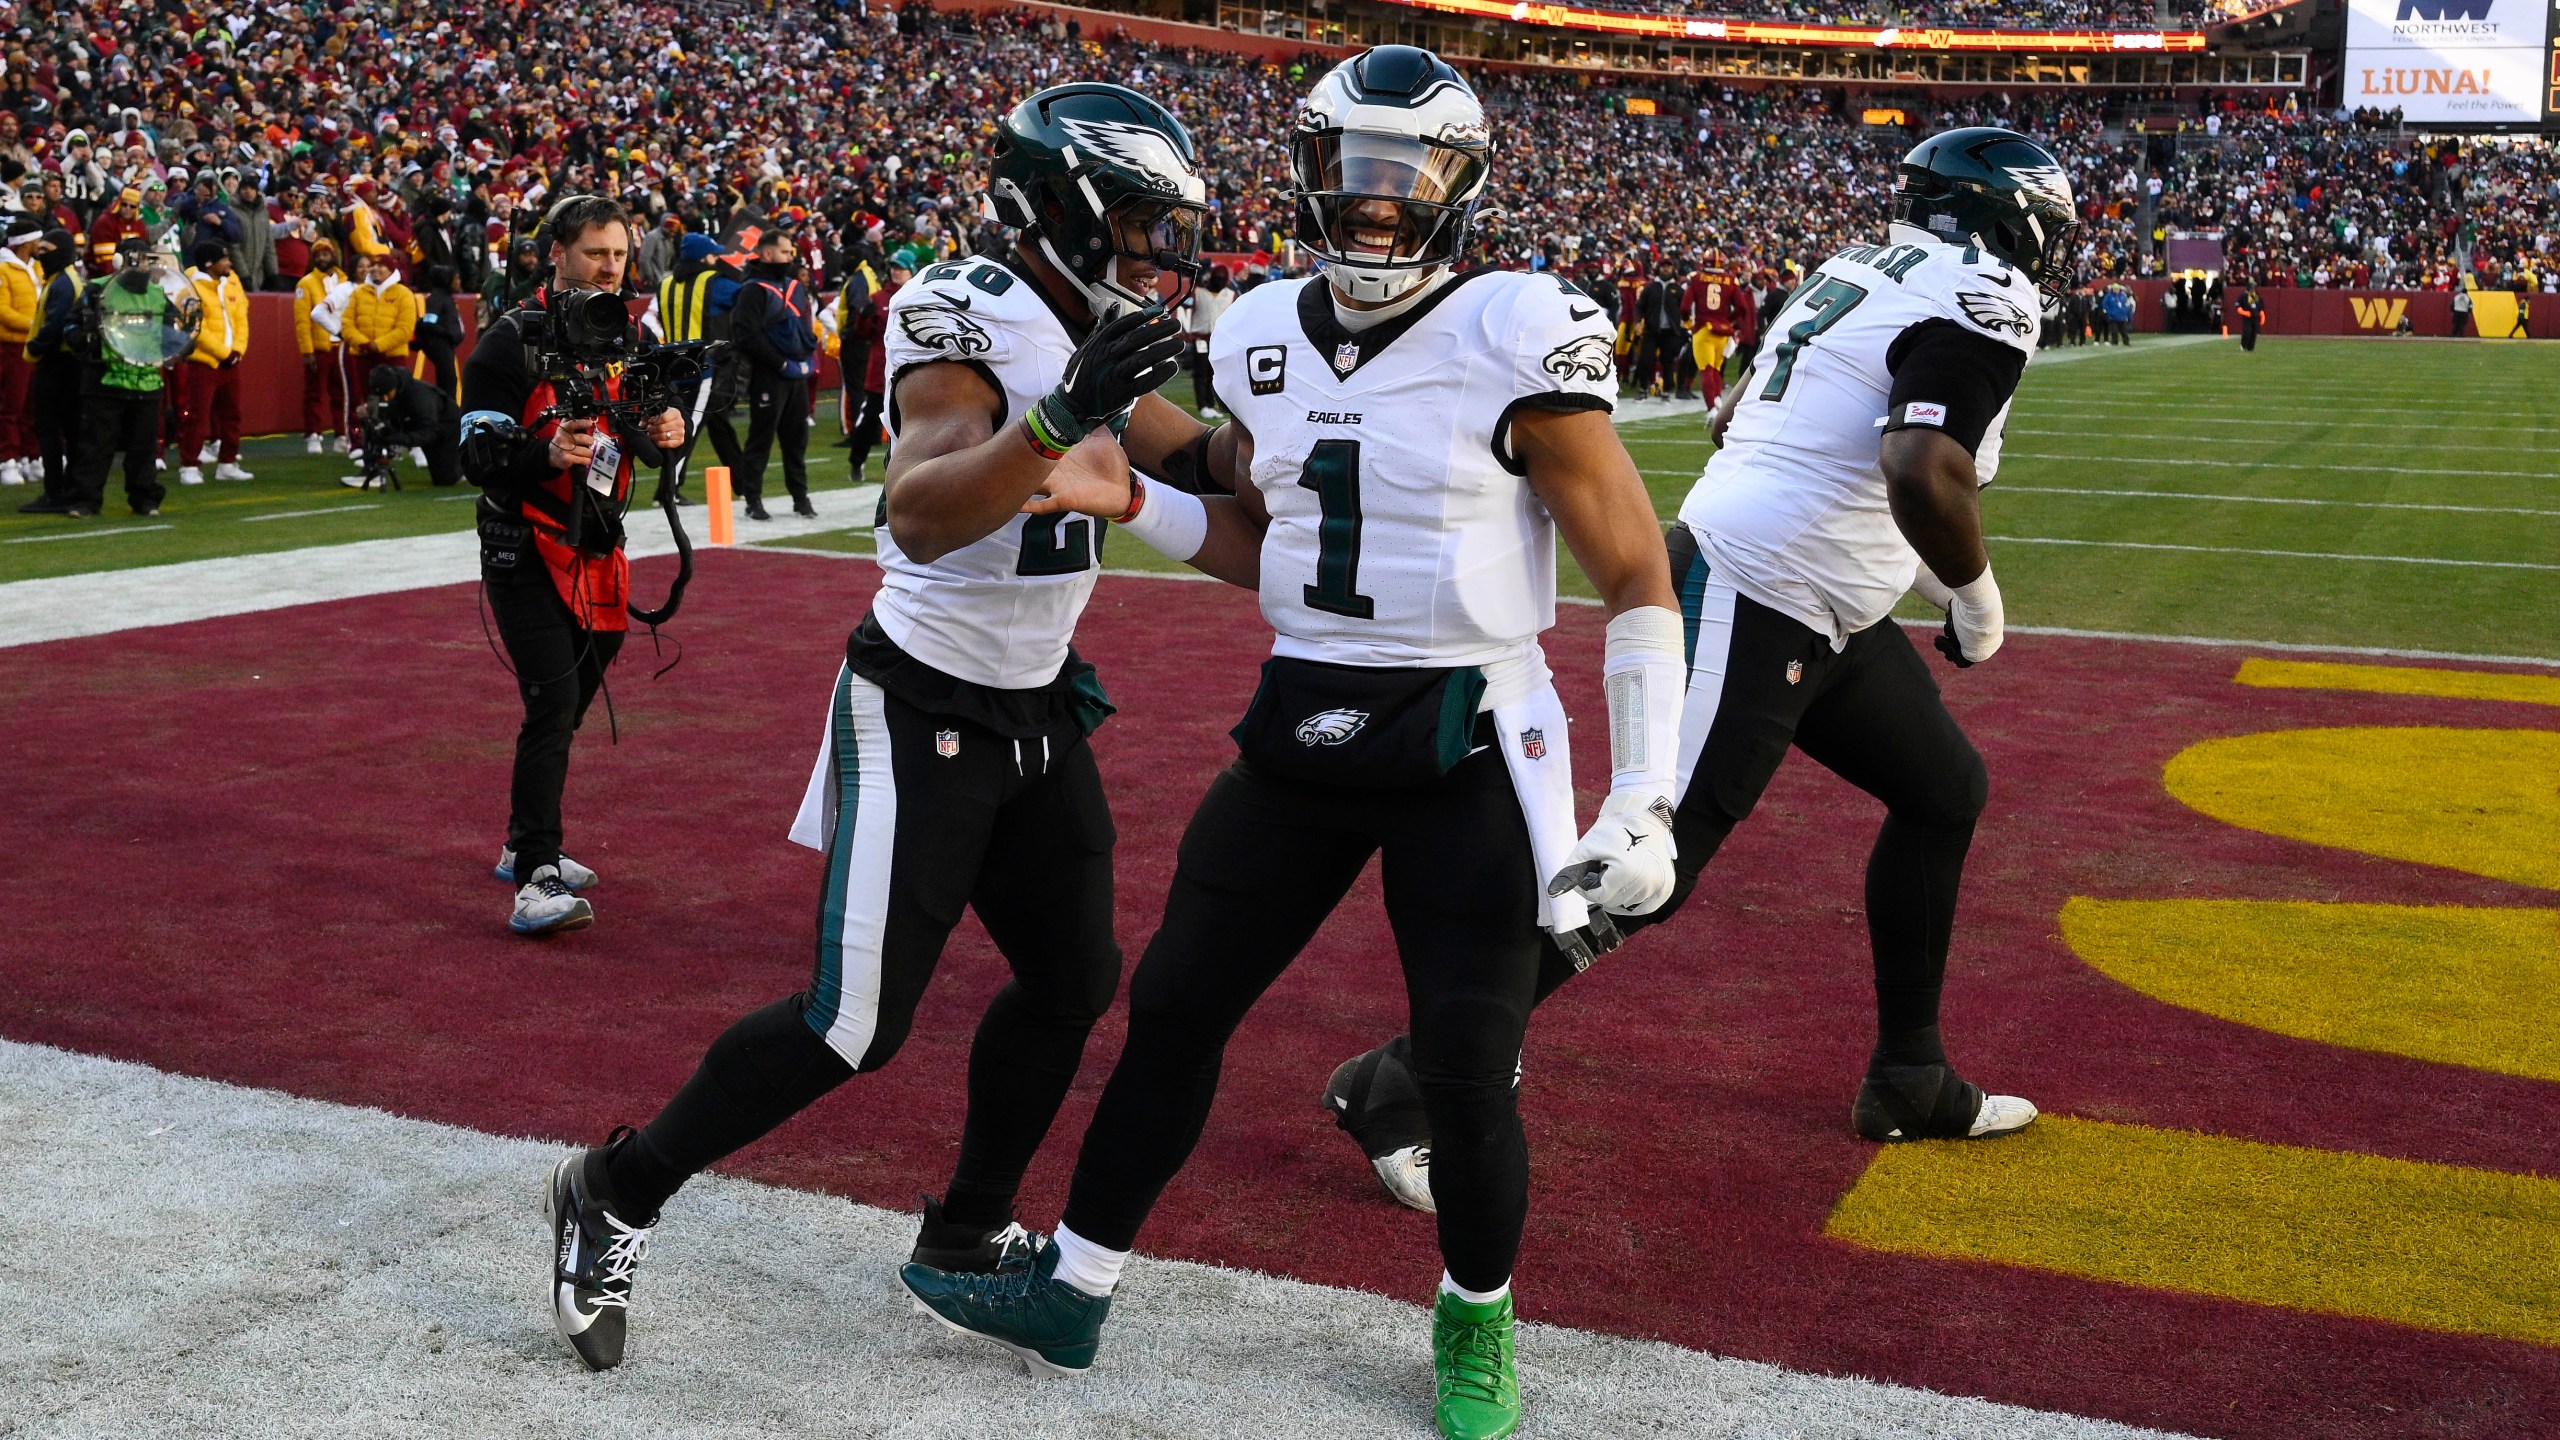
1948 378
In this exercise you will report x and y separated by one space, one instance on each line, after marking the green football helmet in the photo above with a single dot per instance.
1995 189
1094 174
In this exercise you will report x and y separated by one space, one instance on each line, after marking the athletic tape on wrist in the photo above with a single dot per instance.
1173 523
1646 676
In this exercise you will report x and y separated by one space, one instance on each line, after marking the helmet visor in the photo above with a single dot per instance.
1384 199
1164 233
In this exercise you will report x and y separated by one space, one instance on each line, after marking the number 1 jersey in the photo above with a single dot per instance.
1403 530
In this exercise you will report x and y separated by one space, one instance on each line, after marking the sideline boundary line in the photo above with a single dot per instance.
2289 554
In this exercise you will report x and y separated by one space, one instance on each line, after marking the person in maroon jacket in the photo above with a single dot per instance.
868 330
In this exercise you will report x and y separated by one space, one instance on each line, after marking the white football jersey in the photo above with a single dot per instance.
1403 531
999 611
1792 510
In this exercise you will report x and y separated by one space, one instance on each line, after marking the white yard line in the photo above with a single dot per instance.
2429 444
298 514
2180 460
2077 402
2290 554
2266 500
321 1270
104 534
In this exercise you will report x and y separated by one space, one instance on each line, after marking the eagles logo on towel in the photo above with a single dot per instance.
1585 357
1331 727
1993 313
945 325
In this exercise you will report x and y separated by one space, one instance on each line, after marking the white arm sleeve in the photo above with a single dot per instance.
1646 676
1172 522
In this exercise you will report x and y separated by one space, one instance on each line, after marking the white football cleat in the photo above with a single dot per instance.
314 444
572 874
545 907
190 475
1406 1174
231 472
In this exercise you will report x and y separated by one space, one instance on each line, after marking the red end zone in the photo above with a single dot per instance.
257 849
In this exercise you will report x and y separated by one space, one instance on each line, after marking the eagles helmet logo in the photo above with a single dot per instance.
1331 727
943 324
1993 313
1586 357
1131 147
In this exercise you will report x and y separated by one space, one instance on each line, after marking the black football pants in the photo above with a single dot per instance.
559 667
1761 681
1263 863
931 814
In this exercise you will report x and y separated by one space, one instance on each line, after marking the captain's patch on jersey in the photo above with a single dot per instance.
945 325
1267 367
1584 357
1993 313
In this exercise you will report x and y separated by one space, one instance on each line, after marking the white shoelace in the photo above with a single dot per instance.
619 1260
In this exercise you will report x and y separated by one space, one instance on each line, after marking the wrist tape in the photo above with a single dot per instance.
1646 677
1171 522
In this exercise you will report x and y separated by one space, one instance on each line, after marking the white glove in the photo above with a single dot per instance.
1623 862
1973 632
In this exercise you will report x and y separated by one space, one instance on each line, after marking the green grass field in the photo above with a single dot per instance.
2346 492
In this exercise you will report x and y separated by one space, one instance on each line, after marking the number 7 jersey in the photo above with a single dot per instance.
1792 511
1403 530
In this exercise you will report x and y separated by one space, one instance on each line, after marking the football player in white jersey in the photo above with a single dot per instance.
1850 461
953 770
1409 439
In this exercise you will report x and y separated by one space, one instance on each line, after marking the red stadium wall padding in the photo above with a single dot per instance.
1098 23
2376 312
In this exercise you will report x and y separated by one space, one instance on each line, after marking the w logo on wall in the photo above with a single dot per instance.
2377 313
2444 10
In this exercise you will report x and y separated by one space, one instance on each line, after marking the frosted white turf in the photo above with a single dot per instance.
185 1258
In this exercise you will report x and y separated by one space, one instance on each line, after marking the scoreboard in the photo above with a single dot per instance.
2456 62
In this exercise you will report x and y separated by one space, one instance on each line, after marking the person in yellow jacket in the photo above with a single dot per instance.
209 378
382 318
319 313
20 308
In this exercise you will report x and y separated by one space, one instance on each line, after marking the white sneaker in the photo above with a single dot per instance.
1407 1175
1210 412
190 475
314 444
339 442
355 453
545 907
353 482
11 473
572 874
211 451
417 458
232 472
2002 1114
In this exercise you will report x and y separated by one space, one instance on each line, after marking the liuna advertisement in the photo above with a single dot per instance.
2469 62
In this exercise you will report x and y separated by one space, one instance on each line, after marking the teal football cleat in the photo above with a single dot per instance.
1471 1357
1053 1326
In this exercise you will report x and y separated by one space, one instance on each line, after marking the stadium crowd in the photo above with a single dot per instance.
434 135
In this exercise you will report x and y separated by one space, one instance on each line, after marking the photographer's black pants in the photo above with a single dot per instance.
117 421
777 410
559 667
866 431
53 405
931 815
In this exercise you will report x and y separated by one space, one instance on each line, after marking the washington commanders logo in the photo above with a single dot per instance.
1331 727
1585 357
944 324
1993 313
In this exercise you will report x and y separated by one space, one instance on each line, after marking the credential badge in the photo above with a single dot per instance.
1533 743
946 743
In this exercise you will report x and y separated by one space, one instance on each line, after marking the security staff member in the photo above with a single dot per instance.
693 304
551 555
774 325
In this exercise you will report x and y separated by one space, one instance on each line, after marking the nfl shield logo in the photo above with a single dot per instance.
1346 356
1795 671
946 743
1533 743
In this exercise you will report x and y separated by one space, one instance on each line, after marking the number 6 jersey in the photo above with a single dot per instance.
1403 530
1001 610
1792 510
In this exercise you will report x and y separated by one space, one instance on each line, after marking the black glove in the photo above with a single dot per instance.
1119 362
1951 647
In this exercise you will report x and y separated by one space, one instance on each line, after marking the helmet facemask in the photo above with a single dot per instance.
1346 177
1094 249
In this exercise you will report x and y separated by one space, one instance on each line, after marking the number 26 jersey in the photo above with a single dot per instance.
1403 530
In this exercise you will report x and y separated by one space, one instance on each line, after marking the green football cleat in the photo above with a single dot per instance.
1053 1326
1471 1356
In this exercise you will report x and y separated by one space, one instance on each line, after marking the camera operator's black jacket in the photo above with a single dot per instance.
522 490
418 414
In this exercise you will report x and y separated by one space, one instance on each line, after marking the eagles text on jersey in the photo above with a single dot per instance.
1403 531
1792 509
1002 610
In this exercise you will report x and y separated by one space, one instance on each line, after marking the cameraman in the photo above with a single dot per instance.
403 412
551 555
119 399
